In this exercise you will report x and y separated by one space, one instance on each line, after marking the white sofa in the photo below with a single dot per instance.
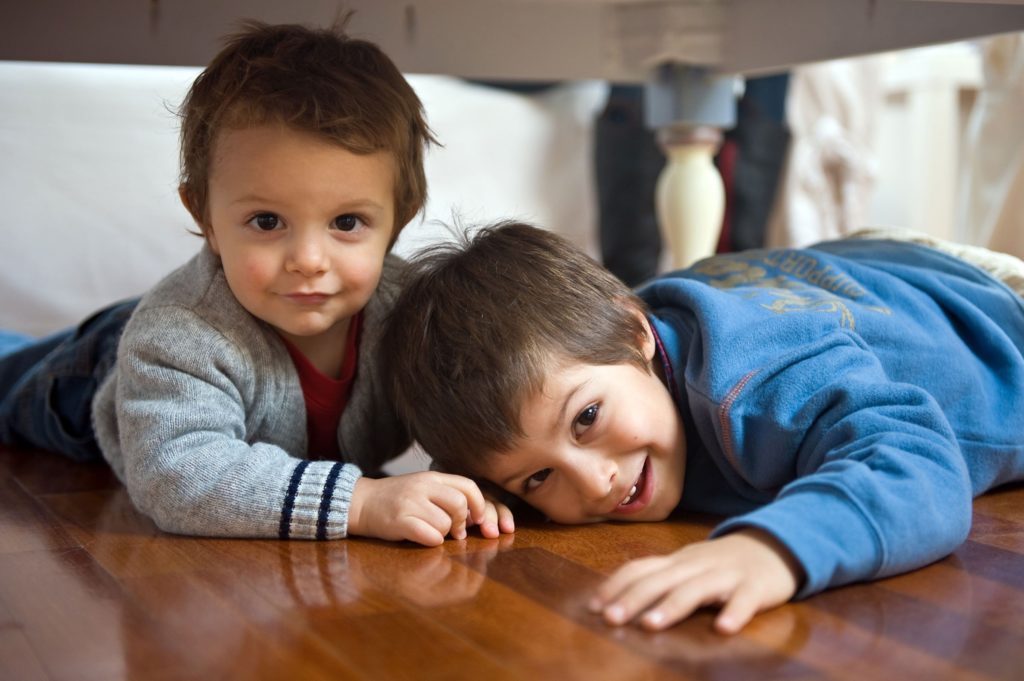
88 177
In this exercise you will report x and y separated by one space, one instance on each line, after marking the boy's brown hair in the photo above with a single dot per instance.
479 324
320 81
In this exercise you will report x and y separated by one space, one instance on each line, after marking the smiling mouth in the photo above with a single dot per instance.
307 298
639 494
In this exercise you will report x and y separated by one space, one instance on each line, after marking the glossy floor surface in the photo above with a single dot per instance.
89 589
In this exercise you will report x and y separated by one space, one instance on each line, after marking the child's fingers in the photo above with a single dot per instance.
453 502
455 507
682 601
489 524
506 523
738 611
623 579
422 532
473 498
497 519
458 530
440 520
639 595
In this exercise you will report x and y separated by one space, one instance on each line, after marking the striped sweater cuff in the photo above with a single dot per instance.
317 500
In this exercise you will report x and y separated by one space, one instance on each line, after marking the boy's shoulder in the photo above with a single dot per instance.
383 299
188 282
391 277
195 298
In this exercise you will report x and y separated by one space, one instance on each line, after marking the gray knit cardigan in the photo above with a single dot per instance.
203 419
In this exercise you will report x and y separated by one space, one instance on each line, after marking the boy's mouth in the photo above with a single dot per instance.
639 494
314 298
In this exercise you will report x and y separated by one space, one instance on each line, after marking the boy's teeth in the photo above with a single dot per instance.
629 497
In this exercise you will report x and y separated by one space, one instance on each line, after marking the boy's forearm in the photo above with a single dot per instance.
836 541
260 493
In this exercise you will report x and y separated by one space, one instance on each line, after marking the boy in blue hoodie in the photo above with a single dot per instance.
840 405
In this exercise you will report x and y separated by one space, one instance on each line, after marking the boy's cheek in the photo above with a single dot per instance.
566 514
522 510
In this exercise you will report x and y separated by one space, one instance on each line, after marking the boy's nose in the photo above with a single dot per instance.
307 255
596 479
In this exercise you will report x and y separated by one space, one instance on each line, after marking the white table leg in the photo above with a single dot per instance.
690 106
690 195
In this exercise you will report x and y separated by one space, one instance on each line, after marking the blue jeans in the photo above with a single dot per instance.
47 384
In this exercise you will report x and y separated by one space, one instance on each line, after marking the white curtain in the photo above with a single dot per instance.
832 110
990 209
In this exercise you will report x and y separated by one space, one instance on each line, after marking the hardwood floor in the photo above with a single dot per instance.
89 589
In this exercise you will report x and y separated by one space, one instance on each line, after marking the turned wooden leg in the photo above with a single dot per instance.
690 196
689 106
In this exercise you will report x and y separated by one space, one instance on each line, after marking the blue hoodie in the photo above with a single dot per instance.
850 398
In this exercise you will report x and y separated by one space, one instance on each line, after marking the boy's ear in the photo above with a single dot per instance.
207 233
186 201
646 342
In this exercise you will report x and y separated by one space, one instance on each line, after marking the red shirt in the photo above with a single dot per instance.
326 397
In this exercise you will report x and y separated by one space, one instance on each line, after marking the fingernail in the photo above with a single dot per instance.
615 614
654 618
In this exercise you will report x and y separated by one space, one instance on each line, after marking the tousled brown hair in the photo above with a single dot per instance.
481 321
321 81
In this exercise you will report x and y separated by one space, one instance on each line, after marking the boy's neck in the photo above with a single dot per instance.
659 369
659 363
325 351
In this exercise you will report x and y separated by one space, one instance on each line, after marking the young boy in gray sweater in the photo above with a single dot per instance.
239 397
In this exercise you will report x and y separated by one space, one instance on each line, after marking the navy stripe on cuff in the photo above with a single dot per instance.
325 501
289 500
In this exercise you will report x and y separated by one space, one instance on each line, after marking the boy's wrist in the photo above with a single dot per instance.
356 519
779 549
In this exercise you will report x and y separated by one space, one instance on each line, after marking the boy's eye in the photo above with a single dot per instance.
586 418
347 222
265 222
536 480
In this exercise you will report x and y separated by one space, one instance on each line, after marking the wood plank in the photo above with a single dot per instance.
46 472
926 632
89 588
17 658
25 525
69 611
949 584
691 649
997 518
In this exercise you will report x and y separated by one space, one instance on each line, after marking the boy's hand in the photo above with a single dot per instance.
747 571
497 518
420 507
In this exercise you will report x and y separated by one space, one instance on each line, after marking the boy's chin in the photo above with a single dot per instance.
662 510
658 516
649 516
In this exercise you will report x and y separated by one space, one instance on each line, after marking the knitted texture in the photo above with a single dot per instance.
203 420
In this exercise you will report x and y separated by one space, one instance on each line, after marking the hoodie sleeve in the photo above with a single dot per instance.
868 477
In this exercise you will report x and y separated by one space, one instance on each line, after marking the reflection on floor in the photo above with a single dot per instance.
90 589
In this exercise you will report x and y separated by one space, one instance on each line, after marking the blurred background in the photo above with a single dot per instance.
929 138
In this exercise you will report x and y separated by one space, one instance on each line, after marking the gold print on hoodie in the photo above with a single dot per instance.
804 285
